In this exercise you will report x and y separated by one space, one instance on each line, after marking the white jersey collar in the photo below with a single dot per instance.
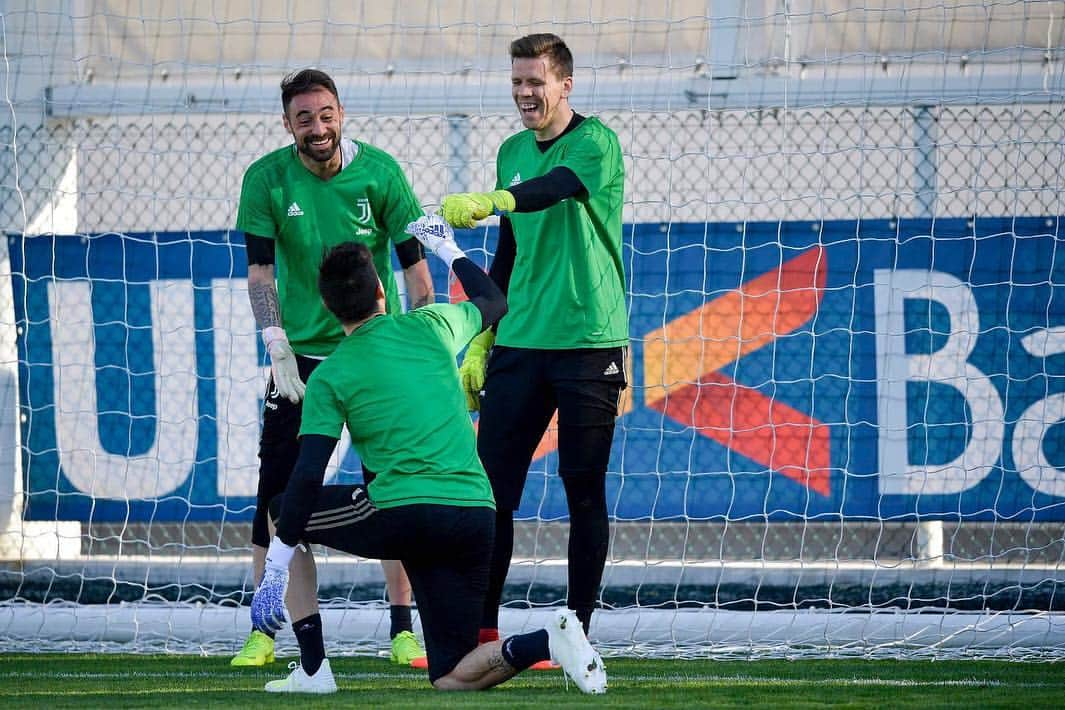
348 150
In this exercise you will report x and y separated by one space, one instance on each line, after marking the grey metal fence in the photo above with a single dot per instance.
178 173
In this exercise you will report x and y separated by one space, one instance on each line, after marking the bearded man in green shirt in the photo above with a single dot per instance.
295 203
563 343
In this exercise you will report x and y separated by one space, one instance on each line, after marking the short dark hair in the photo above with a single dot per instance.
544 45
348 282
302 81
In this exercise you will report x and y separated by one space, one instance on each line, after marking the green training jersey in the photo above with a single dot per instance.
369 201
567 288
393 381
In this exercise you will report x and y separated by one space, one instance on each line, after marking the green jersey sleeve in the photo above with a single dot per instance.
455 323
594 159
323 413
253 212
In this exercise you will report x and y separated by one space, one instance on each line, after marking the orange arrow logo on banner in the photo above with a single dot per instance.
681 360
681 380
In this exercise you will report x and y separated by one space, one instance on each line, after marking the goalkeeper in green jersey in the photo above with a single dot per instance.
296 202
393 382
562 346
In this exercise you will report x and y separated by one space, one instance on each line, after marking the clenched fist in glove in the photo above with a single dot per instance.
465 209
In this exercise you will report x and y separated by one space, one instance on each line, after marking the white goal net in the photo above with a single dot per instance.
845 426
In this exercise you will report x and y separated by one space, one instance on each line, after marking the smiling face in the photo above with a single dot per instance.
314 119
541 95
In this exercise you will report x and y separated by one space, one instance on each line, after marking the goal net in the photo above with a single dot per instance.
845 426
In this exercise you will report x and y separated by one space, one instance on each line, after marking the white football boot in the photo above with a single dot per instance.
299 682
570 649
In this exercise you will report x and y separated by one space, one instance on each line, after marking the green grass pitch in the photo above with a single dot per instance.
178 681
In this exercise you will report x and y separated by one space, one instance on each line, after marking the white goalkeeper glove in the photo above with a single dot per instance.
283 367
436 235
268 604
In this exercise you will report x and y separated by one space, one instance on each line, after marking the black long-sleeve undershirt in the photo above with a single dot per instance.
301 493
506 252
530 196
482 291
539 193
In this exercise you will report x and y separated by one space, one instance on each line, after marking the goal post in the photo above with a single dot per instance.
845 426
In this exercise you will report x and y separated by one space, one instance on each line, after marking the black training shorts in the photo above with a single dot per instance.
523 388
279 447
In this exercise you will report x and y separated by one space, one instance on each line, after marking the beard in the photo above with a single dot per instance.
320 154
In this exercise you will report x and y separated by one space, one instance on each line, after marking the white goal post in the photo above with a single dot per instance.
845 427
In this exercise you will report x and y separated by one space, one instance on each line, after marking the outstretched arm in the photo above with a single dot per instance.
482 291
465 209
436 235
542 192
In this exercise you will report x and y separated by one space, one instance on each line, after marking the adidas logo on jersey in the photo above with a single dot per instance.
612 369
516 180
294 210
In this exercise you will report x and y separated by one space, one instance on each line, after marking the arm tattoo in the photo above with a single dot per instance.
419 285
497 663
264 304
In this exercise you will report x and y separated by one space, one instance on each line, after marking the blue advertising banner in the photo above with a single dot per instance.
863 370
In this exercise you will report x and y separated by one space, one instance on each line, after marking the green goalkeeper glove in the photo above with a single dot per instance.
473 366
464 209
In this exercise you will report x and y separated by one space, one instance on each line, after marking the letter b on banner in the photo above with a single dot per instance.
948 365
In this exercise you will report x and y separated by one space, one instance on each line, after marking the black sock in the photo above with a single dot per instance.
585 617
400 616
312 647
523 650
268 633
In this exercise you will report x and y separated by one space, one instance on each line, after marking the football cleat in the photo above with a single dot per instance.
570 649
258 651
406 649
298 681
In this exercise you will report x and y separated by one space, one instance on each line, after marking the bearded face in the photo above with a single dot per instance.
314 119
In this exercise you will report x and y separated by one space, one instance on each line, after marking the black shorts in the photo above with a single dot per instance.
523 388
445 550
279 447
